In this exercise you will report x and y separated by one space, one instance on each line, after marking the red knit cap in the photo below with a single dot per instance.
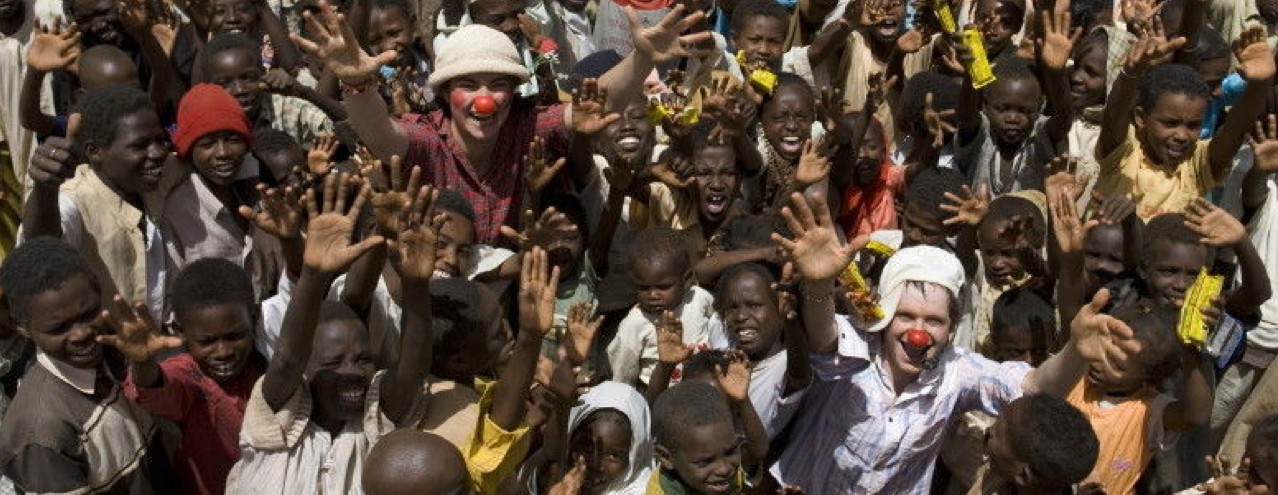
205 109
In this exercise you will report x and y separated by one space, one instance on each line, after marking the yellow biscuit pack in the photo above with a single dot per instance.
1191 328
946 16
980 70
762 79
880 249
859 292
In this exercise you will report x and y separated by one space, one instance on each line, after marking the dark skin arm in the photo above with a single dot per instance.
1194 407
29 105
1144 53
1264 146
798 372
671 351
734 380
50 48
537 287
167 86
51 164
362 279
1256 65
1066 244
329 251
1220 229
601 239
1054 47
709 268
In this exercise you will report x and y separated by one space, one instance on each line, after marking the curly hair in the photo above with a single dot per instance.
36 266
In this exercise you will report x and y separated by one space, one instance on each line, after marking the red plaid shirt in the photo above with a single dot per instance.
495 195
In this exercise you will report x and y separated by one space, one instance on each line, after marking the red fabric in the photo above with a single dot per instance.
209 415
207 108
868 209
494 195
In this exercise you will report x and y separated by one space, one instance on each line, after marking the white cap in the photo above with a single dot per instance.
916 264
476 49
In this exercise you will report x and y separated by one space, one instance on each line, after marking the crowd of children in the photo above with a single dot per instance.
638 247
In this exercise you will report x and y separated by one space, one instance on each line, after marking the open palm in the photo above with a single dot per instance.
334 42
136 335
665 41
328 233
53 48
815 249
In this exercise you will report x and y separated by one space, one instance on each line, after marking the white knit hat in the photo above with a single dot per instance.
475 49
916 264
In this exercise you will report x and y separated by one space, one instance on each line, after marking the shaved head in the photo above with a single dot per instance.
413 462
106 64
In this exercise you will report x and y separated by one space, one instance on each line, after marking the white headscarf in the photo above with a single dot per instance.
626 400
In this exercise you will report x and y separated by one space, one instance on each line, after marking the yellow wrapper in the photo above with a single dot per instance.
658 113
762 79
690 116
859 292
1191 328
980 71
946 16
881 249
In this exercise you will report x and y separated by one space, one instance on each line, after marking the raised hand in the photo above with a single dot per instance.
538 283
52 163
319 157
1255 58
280 214
620 175
1227 481
412 249
674 170
814 164
541 231
1115 208
334 42
734 378
815 249
134 16
1069 228
1217 227
54 47
530 29
581 331
537 172
136 335
1061 176
1099 337
1136 11
911 41
165 27
391 206
832 106
665 41
1264 145
721 102
1152 49
938 123
279 82
1057 38
589 108
877 94
968 210
572 481
670 347
331 223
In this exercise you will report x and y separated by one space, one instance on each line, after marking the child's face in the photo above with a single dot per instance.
1011 106
280 164
887 28
240 74
869 161
920 228
1109 379
998 35
1169 132
1170 269
565 252
462 92
748 306
1019 344
660 283
217 156
629 138
229 16
1213 72
918 309
390 28
787 120
1103 255
64 323
706 457
99 21
453 247
133 162
1087 77
502 15
605 445
219 338
717 182
1003 259
340 370
763 39
998 443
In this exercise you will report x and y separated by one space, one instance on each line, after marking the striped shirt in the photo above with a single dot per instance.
855 435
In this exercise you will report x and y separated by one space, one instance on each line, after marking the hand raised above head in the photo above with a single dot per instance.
333 41
331 224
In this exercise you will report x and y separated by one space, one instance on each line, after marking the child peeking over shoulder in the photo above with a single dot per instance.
1039 445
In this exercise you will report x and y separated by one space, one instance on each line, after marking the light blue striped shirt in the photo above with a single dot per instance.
854 435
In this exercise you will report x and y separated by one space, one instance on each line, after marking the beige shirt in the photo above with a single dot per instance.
678 209
1154 188
633 353
285 453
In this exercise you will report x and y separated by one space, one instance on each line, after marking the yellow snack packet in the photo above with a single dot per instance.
1191 328
658 113
980 71
946 16
762 79
859 292
880 249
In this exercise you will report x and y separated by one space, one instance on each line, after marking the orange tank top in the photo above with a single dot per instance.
1122 432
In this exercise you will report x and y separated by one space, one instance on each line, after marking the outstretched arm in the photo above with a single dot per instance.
1055 44
1150 50
1220 229
538 283
654 45
1256 65
819 258
1094 337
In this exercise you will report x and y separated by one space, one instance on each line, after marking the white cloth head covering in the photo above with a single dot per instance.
476 49
916 264
626 400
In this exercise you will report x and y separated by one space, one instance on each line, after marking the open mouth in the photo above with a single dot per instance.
629 144
224 170
152 172
889 28
653 308
791 144
747 336
352 396
1177 151
719 486
716 203
85 353
441 274
482 119
223 370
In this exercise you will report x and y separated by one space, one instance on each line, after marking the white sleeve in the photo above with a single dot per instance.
72 224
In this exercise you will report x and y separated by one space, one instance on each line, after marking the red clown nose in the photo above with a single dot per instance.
484 105
917 338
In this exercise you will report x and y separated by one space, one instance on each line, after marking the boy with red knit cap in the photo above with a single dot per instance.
201 216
